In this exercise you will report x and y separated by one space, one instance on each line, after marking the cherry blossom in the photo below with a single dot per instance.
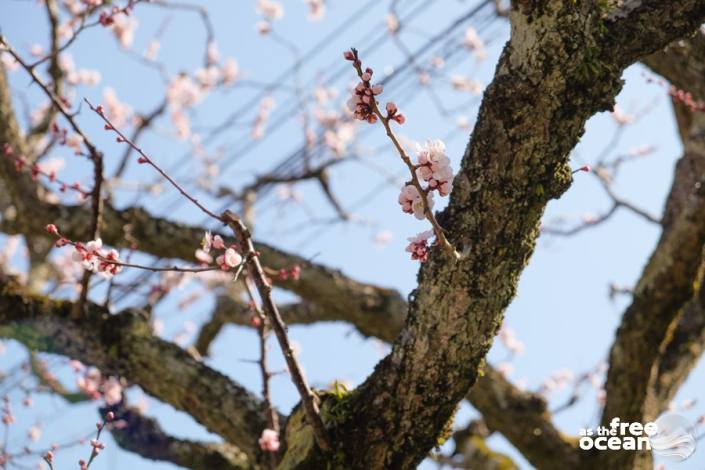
392 23
269 441
229 259
411 202
510 341
119 113
316 9
621 117
473 42
124 26
418 245
95 259
434 167
270 9
230 71
112 391
265 108
74 142
152 50
362 101
461 83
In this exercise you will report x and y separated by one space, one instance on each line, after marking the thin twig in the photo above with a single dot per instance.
146 159
263 333
256 273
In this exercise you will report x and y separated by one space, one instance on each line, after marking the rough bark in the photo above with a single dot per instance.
561 65
123 345
143 435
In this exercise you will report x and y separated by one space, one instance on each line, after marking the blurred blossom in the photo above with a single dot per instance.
316 9
124 27
383 237
473 42
152 50
460 83
270 9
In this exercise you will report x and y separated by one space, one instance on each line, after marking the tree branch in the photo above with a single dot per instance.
143 435
122 344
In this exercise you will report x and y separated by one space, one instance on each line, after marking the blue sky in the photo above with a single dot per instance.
562 312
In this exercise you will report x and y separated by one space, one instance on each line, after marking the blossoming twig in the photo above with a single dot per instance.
368 109
256 273
109 263
262 326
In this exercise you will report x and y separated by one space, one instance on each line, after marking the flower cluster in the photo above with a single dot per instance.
434 167
230 258
411 202
92 383
269 441
362 102
418 245
95 259
685 98
91 255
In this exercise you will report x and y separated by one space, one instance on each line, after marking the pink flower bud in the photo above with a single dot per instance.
142 160
51 228
585 168
110 416
391 108
349 55
399 118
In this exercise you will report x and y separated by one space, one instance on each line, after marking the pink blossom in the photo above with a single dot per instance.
622 118
74 142
460 83
124 27
362 100
473 42
152 50
411 202
316 9
229 259
230 71
392 23
112 391
116 111
270 9
418 245
434 167
182 93
97 445
95 259
269 442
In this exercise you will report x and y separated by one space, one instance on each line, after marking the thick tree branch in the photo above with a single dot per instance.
666 285
123 344
557 70
144 436
523 418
